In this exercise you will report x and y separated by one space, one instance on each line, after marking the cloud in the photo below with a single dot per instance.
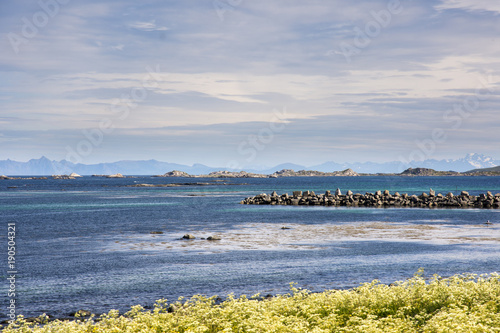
118 47
471 5
148 26
219 80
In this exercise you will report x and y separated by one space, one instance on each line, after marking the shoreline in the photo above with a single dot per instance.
291 235
401 303
411 172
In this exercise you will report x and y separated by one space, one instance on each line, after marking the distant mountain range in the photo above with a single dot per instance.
44 166
470 161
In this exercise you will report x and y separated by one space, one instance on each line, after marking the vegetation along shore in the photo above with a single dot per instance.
461 303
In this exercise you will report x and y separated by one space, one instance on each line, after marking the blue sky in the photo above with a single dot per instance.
247 83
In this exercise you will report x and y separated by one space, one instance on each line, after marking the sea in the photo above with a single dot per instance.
98 244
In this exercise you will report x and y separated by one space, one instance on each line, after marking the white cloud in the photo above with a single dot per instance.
147 26
262 56
471 5
118 47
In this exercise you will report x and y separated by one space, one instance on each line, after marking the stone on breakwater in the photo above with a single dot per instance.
431 200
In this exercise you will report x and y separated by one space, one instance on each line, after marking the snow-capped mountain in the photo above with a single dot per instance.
44 166
469 162
480 161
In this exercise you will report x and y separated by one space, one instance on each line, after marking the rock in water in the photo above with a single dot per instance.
116 175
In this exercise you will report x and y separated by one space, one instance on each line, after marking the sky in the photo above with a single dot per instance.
240 83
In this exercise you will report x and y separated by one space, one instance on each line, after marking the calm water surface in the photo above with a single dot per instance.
87 243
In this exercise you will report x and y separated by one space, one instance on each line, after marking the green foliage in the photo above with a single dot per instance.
462 303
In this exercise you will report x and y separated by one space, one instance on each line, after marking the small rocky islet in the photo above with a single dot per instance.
378 199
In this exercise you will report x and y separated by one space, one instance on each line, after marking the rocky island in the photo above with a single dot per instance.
244 174
411 172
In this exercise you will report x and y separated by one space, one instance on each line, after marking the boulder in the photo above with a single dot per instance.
464 194
213 238
81 313
188 236
432 193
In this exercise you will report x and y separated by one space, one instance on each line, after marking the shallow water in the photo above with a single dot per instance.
87 243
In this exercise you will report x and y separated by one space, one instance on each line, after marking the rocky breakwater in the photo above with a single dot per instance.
378 199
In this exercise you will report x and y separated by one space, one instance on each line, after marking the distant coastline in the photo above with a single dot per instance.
410 172
45 167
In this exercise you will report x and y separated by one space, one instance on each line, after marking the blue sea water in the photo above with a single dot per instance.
87 243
